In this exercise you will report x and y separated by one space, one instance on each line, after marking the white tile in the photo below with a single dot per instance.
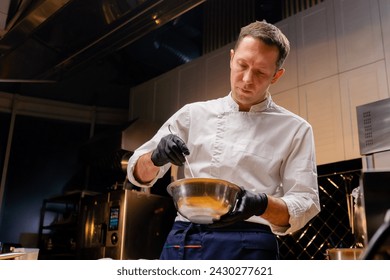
317 55
166 96
289 79
385 25
4 6
359 38
288 99
191 83
320 103
3 20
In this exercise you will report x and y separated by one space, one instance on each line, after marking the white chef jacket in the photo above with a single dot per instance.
266 150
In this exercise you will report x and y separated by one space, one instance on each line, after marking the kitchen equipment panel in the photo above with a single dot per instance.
126 224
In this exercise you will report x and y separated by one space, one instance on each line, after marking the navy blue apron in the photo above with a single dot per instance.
241 241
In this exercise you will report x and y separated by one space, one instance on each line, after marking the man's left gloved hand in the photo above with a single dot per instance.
249 204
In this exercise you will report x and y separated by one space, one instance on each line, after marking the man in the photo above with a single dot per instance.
247 139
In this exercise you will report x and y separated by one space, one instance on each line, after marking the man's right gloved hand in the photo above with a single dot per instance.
170 149
249 204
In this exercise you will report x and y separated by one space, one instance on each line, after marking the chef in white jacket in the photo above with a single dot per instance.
247 139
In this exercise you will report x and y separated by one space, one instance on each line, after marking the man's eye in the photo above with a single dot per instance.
242 66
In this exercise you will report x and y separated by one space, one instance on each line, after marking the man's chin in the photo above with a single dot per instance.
244 99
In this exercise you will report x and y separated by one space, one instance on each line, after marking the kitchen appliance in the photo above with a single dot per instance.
125 224
343 253
374 142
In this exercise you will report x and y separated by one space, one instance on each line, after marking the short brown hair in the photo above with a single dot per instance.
270 35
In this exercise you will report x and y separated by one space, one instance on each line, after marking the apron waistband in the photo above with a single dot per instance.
239 226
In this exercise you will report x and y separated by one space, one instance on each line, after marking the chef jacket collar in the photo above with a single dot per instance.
262 106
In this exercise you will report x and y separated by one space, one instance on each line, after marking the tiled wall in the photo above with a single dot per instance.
331 227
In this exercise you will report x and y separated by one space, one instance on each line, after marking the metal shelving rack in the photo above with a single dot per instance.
59 234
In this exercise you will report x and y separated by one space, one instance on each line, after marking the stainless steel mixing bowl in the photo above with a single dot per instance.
344 253
203 200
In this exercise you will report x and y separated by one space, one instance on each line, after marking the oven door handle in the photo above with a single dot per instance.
103 233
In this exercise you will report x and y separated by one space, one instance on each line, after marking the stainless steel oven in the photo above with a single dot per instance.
125 224
374 142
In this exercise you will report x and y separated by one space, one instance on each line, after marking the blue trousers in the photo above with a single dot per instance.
244 240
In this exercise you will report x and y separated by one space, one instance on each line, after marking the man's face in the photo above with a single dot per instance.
252 70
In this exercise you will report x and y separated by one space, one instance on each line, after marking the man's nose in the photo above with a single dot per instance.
248 77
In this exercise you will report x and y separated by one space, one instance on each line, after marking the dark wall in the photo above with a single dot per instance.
48 158
44 162
4 127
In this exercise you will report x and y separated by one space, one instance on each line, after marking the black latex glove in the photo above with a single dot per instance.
170 149
249 204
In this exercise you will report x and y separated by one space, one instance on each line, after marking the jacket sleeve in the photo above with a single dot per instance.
299 181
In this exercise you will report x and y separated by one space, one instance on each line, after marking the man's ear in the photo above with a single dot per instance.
231 57
231 54
277 75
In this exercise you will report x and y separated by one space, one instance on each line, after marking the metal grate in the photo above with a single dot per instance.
331 227
292 7
223 20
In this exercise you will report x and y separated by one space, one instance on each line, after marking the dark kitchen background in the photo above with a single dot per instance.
91 53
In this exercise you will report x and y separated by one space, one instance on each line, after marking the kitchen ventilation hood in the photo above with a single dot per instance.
48 39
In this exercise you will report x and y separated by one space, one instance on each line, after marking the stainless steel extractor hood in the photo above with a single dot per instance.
49 38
